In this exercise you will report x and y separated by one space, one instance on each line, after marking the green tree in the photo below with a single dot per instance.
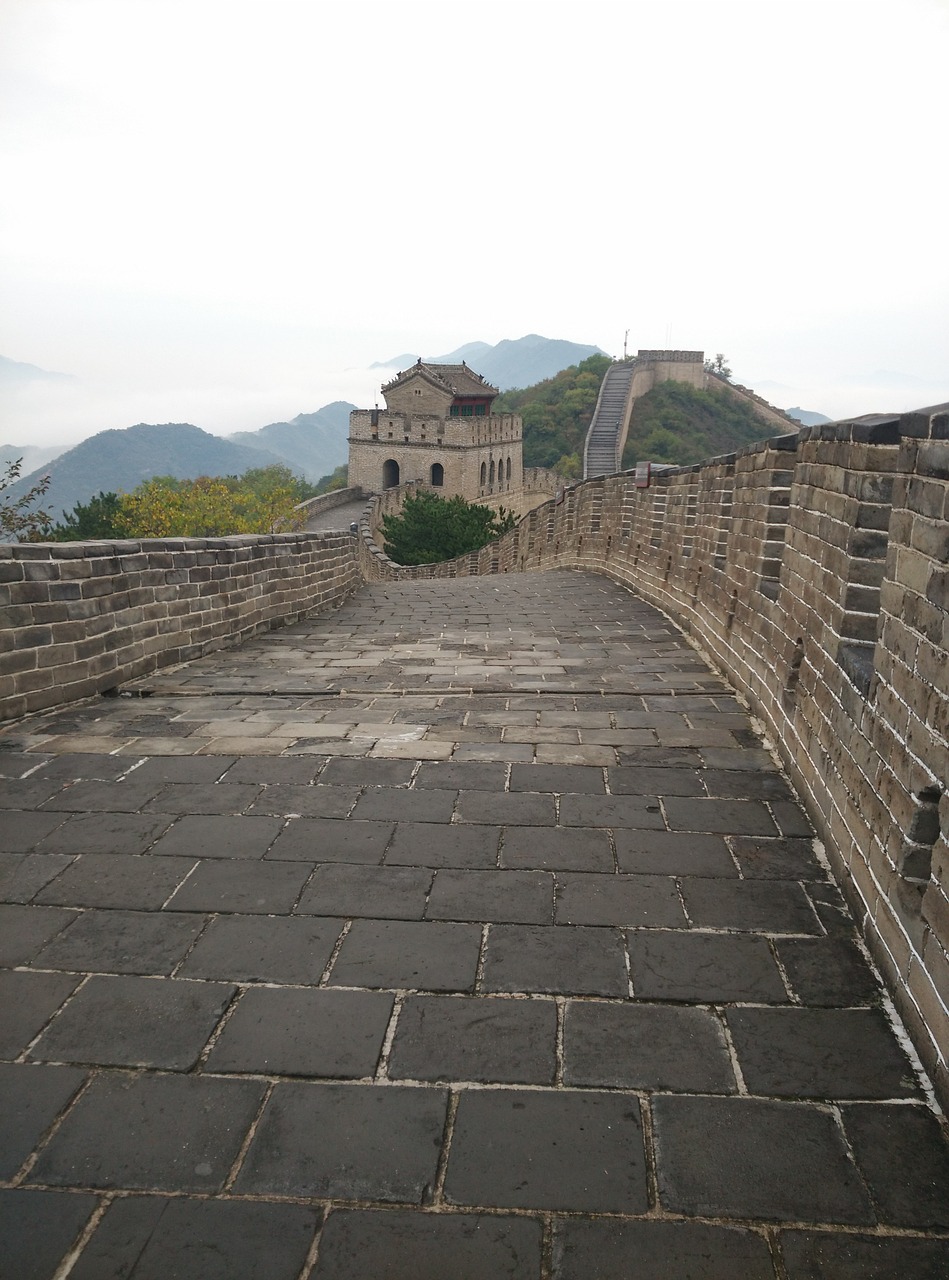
718 365
20 518
93 519
430 528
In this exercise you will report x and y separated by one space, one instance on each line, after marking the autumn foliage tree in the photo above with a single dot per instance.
21 520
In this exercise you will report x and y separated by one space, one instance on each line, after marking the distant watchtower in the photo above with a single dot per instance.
437 427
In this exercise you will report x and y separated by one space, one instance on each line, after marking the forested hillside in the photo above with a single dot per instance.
680 424
556 415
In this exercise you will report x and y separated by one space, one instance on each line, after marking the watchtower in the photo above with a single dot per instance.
437 428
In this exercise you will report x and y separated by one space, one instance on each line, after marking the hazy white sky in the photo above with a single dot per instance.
222 211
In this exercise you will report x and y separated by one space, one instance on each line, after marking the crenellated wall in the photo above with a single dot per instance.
77 619
812 569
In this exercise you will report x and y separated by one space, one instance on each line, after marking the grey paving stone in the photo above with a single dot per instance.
475 1038
121 942
641 812
643 780
556 849
673 853
283 949
656 757
828 971
374 1144
406 954
33 1096
555 960
307 802
27 1002
151 1132
270 887
24 795
23 875
725 817
304 1032
402 1245
205 798
620 900
441 845
467 775
152 1238
776 859
746 784
129 1022
903 1155
570 778
757 906
820 1053
507 808
219 836
64 768
24 930
584 1249
540 1149
393 803
368 773
382 893
20 830
750 1158
703 967
37 1228
331 840
299 770
518 897
645 1047
829 1255
194 770
126 796
791 818
135 881
753 758
105 833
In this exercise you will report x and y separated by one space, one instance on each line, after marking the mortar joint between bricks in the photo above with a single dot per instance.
328 967
248 1138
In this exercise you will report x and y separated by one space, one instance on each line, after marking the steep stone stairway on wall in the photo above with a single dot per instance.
600 453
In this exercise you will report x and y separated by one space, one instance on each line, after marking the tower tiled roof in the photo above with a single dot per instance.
456 378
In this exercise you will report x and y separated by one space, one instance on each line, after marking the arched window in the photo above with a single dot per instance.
509 470
438 474
492 471
484 475
390 474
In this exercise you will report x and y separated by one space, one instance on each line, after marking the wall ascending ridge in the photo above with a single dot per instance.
812 569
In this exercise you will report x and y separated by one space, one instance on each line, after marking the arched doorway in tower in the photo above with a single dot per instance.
390 474
438 475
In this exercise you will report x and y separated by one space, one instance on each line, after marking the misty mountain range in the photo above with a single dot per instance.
513 362
313 445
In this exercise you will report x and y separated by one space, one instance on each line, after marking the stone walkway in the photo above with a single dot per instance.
467 932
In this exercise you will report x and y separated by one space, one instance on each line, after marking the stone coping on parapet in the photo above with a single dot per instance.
133 546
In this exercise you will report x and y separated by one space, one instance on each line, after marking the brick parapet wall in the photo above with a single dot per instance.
79 619
812 569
